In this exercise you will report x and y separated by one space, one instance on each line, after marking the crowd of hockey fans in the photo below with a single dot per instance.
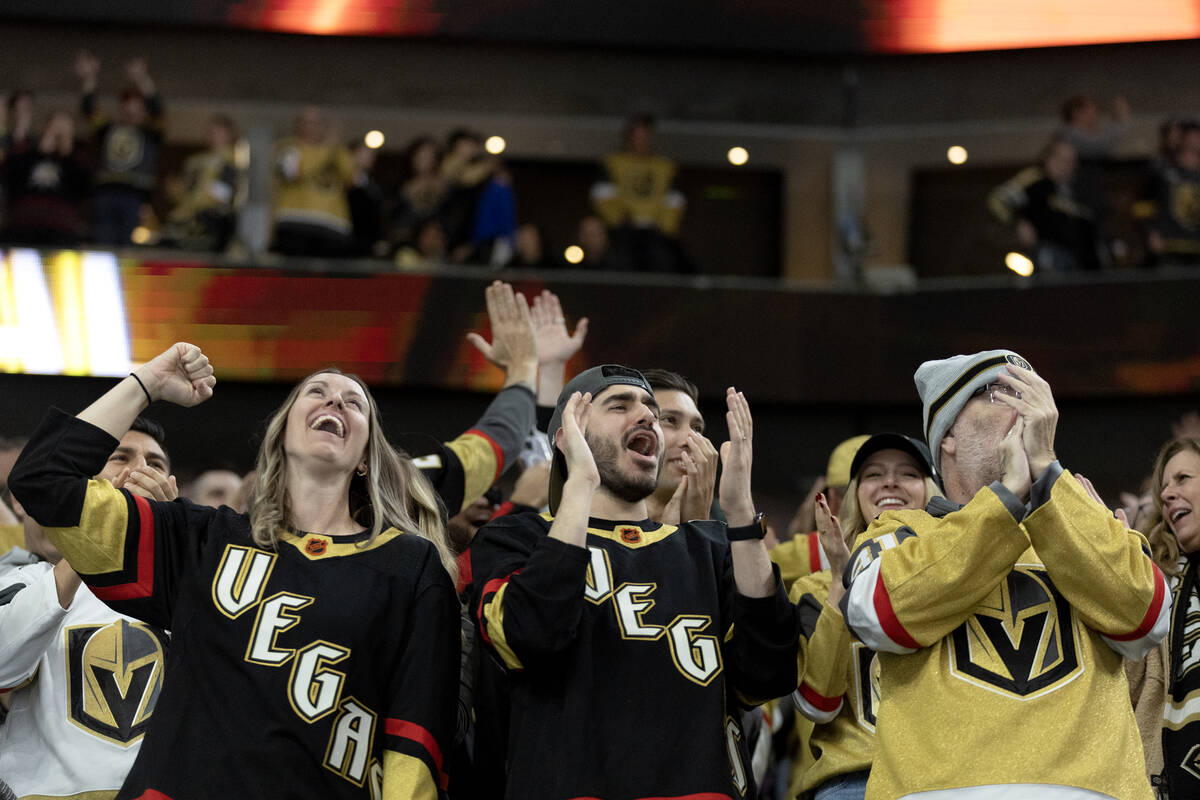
96 174
627 624
1062 215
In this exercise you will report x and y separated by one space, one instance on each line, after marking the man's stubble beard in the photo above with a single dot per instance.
629 488
978 462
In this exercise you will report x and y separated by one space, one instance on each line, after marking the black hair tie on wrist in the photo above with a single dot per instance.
149 399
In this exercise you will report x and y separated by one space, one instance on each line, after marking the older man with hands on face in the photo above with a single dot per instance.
1001 613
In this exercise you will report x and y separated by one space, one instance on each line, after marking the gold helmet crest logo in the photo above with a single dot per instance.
116 675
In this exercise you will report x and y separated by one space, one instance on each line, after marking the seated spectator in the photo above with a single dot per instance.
637 203
530 252
1057 231
76 728
593 240
127 149
1171 210
313 170
207 197
422 193
46 187
428 250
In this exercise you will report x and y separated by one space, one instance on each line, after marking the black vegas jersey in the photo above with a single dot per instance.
630 660
319 669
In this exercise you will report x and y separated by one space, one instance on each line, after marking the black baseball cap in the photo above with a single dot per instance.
593 381
892 441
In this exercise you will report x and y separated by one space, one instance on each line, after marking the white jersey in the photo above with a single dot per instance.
83 684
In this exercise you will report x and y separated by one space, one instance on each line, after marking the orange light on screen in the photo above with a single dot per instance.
942 26
339 17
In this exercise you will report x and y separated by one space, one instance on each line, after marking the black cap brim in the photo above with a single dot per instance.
892 441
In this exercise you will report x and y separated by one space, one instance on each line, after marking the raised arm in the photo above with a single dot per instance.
555 346
752 568
760 651
129 549
464 468
87 68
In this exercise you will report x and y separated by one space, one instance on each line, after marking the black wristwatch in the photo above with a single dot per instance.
755 530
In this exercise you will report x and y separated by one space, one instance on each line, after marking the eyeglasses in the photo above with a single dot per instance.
992 389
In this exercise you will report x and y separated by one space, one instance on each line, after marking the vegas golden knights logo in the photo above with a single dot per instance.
114 676
1021 641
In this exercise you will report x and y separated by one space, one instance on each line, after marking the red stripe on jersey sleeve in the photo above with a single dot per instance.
464 571
414 732
819 701
496 450
489 589
503 509
144 585
887 617
1160 593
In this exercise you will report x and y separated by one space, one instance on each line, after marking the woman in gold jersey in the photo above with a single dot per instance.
838 693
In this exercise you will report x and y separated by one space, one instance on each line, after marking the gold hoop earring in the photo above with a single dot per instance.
362 472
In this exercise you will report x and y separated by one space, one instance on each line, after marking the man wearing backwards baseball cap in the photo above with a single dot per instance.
1001 613
631 644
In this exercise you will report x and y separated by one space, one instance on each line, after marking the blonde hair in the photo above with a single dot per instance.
850 515
1164 547
393 493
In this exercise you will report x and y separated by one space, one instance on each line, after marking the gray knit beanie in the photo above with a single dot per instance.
947 384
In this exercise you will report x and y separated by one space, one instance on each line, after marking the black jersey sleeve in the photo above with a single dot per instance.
462 469
530 596
419 728
132 552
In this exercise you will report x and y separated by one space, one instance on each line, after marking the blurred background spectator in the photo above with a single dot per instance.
127 148
45 187
637 202
313 170
18 123
1171 208
208 192
365 199
1057 230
